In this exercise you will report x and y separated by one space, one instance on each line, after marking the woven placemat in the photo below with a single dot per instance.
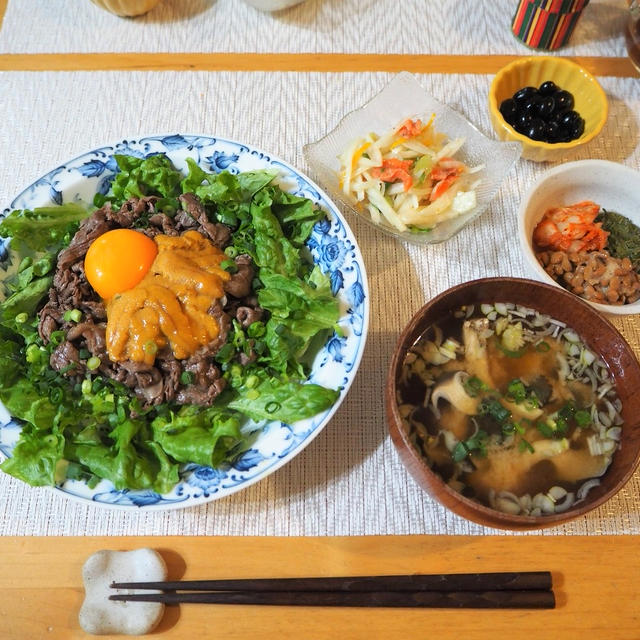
349 480
473 27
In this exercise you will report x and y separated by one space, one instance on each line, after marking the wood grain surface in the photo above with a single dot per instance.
300 62
596 581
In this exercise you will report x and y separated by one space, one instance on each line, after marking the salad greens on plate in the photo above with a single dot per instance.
95 428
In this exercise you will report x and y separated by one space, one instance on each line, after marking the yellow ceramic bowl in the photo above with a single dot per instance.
590 101
126 8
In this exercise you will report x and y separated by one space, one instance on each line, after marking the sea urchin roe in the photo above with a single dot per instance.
170 305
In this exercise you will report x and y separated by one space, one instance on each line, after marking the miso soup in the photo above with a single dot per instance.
510 408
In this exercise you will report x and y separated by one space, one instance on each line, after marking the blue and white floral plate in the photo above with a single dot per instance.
332 246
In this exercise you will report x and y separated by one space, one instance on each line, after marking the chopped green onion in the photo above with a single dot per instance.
226 353
238 337
70 367
272 407
256 329
492 407
473 386
229 265
56 338
561 425
460 452
542 346
545 429
56 395
93 363
532 402
187 377
33 353
21 318
231 251
150 348
72 315
583 418
476 445
526 446
251 381
508 428
516 390
86 387
253 394
25 263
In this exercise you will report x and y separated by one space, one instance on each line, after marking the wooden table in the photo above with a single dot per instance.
596 578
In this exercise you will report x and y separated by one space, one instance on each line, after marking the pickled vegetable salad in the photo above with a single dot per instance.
408 178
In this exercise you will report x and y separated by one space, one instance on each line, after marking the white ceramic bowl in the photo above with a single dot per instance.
609 184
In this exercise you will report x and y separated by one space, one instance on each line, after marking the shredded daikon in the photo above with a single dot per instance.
407 178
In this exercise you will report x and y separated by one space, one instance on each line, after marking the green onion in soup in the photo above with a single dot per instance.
510 408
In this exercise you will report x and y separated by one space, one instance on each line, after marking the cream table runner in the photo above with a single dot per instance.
349 480
471 27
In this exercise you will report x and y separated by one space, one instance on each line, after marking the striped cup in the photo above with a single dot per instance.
546 24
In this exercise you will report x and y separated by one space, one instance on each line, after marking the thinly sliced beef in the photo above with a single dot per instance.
93 336
219 234
248 315
163 381
90 228
65 358
240 284
161 223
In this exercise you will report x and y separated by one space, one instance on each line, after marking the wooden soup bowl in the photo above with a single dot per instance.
597 333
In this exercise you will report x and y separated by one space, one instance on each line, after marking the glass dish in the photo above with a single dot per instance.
404 97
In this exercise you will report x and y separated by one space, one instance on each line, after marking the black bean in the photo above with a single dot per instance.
523 94
509 110
564 100
548 88
545 113
546 107
577 128
551 131
537 129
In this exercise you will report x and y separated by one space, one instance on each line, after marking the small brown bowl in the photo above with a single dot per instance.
597 333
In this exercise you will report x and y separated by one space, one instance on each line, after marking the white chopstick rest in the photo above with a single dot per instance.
101 616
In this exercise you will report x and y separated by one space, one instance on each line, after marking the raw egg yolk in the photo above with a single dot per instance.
117 260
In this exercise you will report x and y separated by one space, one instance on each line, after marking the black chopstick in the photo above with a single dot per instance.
530 599
506 590
505 581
